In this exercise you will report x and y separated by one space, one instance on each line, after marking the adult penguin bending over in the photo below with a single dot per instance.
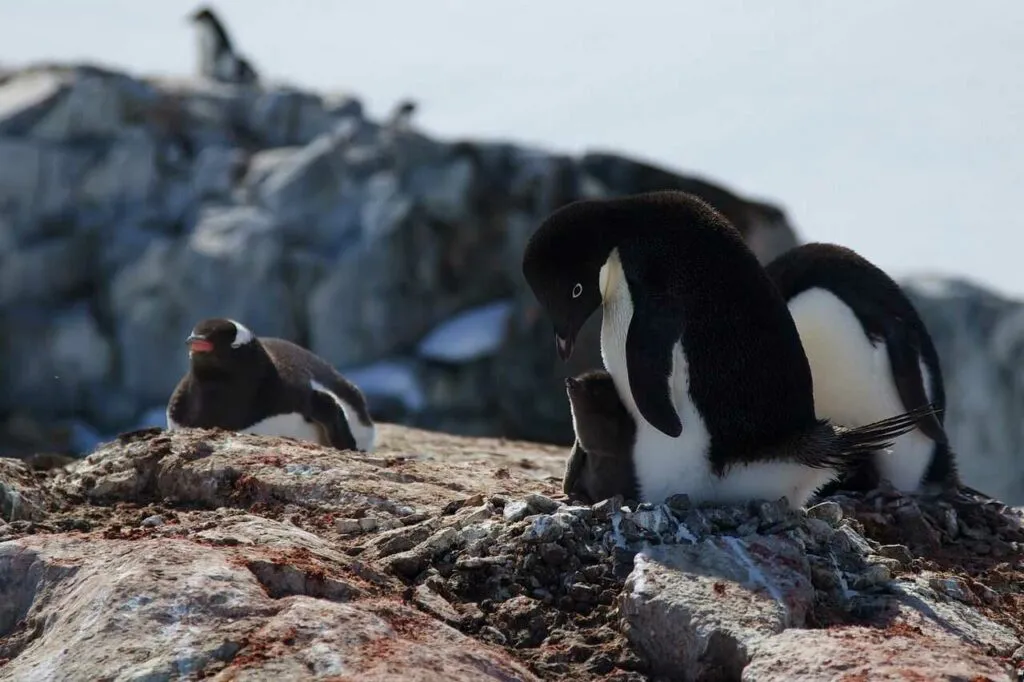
701 347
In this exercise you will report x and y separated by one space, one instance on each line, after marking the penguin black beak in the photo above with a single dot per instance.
564 346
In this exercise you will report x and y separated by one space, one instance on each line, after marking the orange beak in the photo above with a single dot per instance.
197 344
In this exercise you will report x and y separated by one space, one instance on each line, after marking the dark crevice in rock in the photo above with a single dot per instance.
283 580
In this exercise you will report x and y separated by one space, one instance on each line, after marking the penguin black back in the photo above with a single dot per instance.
693 281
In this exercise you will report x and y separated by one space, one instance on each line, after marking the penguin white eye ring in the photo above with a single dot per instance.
577 290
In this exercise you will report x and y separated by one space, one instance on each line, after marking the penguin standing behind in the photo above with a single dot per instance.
701 348
217 58
601 462
401 116
266 386
870 356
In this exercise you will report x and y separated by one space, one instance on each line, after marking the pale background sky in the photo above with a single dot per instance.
893 127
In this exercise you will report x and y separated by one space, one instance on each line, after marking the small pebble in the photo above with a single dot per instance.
346 525
828 511
679 503
821 531
153 521
541 504
873 576
553 554
898 552
516 510
544 529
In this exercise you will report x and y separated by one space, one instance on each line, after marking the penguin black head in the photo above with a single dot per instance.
220 346
203 13
562 264
601 420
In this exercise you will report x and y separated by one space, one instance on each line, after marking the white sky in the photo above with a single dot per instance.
893 127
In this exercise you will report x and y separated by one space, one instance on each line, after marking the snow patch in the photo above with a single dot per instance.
755 573
468 336
389 379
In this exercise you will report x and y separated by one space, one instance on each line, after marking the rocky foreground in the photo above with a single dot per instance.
211 555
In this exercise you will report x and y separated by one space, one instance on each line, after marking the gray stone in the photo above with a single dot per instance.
979 336
541 504
694 609
828 511
46 272
516 510
53 365
862 653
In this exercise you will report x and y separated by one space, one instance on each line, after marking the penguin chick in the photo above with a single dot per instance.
601 462
266 386
700 345
870 356
217 58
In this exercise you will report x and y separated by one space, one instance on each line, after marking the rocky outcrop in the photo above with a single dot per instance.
131 208
211 555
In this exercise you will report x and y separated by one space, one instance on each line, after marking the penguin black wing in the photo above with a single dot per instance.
299 366
328 414
906 373
178 404
574 469
653 334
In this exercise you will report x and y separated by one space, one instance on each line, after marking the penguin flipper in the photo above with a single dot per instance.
906 372
573 469
649 344
326 412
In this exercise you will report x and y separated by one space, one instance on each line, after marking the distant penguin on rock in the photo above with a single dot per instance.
700 346
601 462
870 356
267 386
218 60
401 116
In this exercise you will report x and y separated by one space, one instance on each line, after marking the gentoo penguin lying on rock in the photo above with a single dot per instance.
701 348
870 355
266 386
217 58
601 462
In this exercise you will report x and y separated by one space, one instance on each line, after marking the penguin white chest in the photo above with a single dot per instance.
290 425
664 465
853 380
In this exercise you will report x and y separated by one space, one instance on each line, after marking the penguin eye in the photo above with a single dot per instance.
577 290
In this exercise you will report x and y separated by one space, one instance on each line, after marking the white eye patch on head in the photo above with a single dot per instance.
242 335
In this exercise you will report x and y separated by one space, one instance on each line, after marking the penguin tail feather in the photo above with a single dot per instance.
853 444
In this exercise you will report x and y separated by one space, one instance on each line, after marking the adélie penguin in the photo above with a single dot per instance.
700 346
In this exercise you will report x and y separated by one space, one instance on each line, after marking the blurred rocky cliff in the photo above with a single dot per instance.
131 208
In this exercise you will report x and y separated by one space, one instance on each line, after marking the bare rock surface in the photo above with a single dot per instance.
213 555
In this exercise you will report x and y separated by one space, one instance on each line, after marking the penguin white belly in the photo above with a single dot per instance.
853 381
291 425
664 465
